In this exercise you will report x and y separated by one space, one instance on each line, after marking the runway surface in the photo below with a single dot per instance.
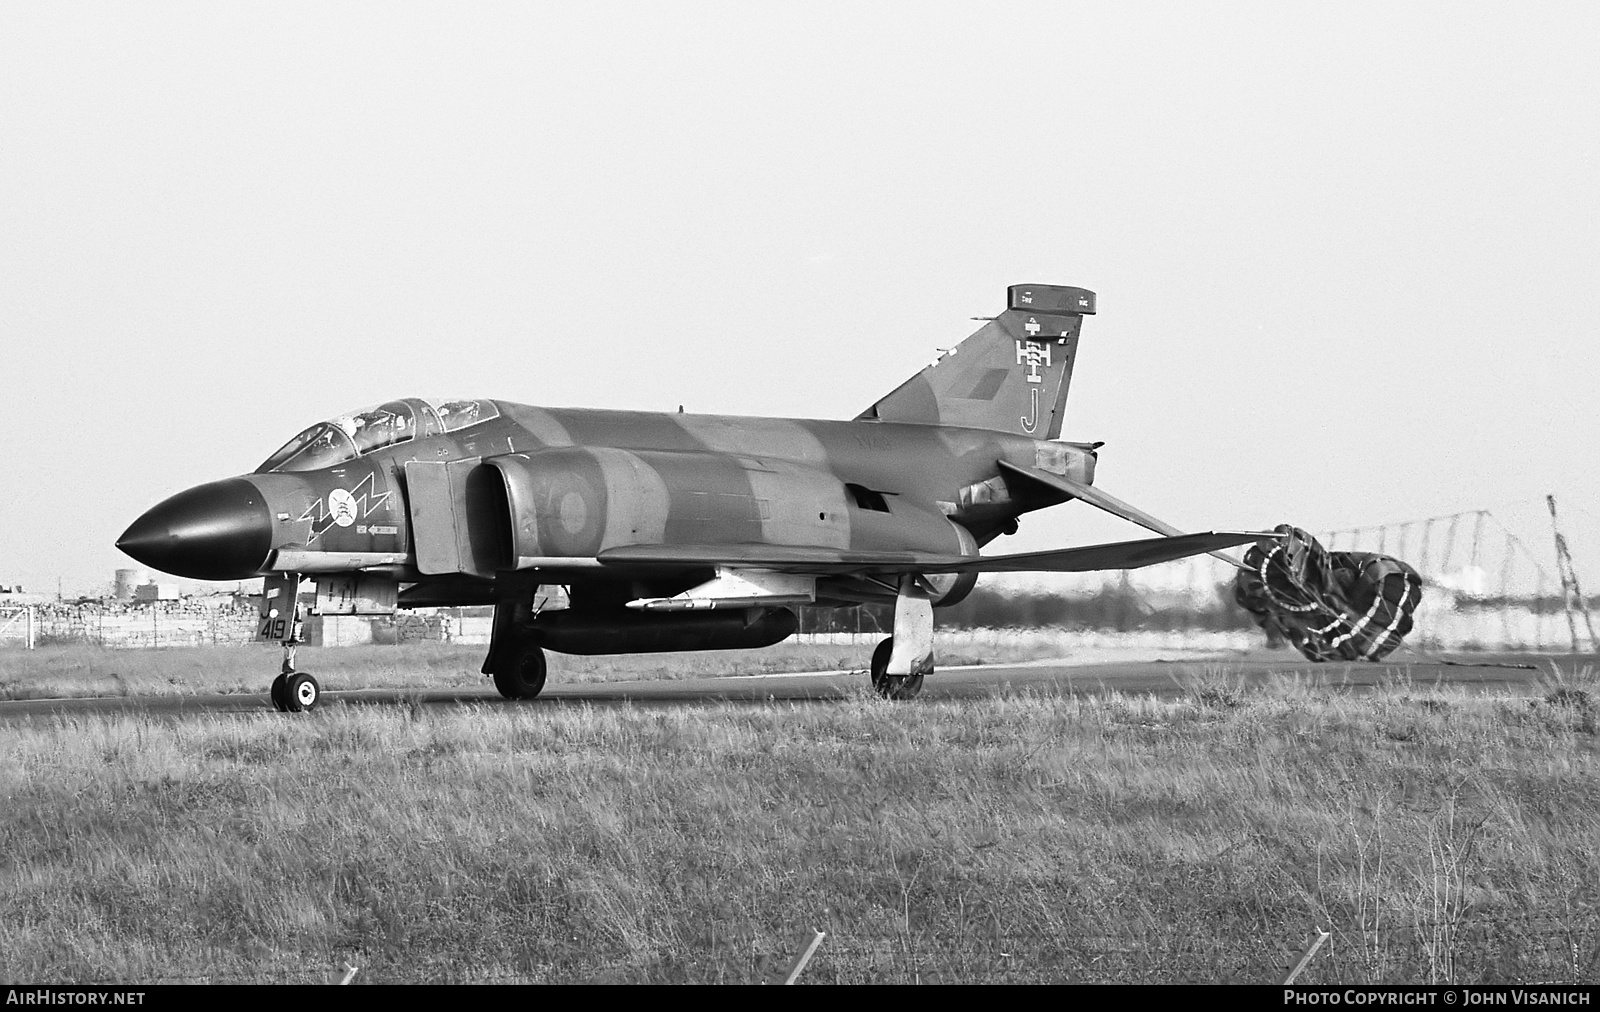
1499 673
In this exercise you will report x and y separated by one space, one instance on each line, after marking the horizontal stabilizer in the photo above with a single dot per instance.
842 562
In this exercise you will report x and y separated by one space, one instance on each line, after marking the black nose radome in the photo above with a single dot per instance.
218 531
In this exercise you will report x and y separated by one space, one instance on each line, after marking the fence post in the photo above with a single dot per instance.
30 626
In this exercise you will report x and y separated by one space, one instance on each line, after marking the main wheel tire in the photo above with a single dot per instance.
278 702
892 686
300 692
520 671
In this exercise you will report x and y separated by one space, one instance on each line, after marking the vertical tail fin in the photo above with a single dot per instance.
1012 375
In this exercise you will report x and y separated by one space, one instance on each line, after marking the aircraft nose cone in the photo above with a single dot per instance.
218 531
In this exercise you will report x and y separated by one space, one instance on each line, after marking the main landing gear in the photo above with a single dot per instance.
515 661
901 661
518 669
892 686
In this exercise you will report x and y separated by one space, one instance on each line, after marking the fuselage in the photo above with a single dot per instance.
550 488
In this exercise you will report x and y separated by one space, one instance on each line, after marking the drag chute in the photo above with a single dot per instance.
1333 606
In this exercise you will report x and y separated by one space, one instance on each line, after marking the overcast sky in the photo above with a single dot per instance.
1347 254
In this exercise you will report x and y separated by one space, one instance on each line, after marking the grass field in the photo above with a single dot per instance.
1440 836
57 672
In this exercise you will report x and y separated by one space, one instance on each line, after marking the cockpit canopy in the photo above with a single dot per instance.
349 436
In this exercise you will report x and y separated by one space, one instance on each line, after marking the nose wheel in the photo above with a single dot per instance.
294 691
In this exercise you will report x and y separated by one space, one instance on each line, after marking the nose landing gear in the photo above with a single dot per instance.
292 691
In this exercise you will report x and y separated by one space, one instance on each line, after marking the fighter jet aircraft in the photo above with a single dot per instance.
667 531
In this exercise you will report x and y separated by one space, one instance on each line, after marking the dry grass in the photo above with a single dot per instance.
58 672
1440 836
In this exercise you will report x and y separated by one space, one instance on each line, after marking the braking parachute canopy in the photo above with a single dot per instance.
1333 606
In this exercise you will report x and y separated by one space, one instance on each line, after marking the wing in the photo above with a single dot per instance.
810 561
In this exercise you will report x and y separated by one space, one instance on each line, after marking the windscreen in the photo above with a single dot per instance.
322 445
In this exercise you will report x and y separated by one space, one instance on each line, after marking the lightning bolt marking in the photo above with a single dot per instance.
367 498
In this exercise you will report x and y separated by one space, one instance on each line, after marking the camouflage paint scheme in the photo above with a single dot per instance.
642 514
579 482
